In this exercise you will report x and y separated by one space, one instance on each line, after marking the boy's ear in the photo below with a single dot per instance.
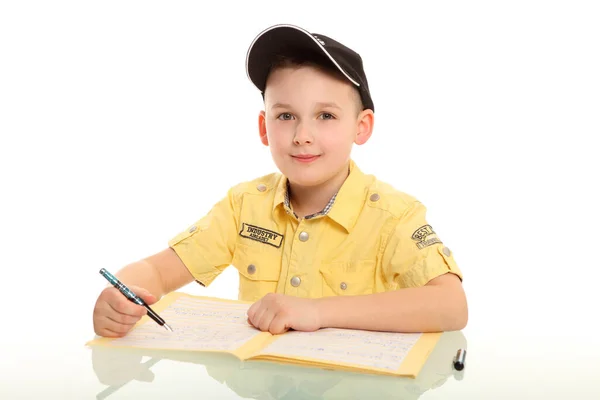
262 128
365 122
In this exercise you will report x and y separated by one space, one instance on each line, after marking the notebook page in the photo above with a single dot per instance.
197 325
369 349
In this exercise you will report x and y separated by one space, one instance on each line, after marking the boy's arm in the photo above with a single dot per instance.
160 273
206 247
440 305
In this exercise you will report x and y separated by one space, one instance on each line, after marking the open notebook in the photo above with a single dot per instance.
219 325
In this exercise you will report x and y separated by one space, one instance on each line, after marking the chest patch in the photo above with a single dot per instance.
261 235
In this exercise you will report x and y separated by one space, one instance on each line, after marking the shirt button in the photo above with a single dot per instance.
446 251
343 286
295 281
303 236
251 269
192 229
261 188
374 197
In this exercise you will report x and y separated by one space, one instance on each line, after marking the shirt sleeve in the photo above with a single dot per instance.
206 247
414 254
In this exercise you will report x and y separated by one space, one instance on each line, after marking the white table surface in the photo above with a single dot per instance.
44 356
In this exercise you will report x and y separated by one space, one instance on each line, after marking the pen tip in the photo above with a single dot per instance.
167 327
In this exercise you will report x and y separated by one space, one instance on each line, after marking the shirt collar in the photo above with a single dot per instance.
280 192
350 199
344 207
324 211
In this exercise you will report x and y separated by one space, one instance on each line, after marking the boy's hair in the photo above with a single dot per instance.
295 58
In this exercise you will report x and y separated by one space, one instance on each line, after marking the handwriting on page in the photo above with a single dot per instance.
373 349
197 325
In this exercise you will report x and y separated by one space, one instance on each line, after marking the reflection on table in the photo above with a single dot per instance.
116 367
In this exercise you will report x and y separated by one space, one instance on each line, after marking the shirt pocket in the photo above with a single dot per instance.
348 278
259 267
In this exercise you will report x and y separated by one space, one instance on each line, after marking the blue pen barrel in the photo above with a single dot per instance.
122 288
129 294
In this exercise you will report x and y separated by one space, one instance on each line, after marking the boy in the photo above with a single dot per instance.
321 244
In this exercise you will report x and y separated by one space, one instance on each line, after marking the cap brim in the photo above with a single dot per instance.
275 40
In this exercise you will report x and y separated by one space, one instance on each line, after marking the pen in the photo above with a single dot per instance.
133 298
459 360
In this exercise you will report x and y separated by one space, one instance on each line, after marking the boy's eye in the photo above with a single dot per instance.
327 116
285 116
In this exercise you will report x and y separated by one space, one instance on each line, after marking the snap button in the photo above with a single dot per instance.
261 188
374 197
295 281
303 236
251 269
343 286
446 251
192 229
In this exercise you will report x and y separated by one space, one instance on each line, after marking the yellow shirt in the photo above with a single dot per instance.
373 239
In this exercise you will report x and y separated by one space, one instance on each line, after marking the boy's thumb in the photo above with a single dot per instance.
148 297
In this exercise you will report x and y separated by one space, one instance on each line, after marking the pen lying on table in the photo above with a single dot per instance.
133 298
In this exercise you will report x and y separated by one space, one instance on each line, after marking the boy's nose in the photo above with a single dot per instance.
303 135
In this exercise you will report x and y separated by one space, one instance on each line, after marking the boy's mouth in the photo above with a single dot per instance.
305 158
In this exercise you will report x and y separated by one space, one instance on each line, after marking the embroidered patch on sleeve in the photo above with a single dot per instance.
425 236
261 235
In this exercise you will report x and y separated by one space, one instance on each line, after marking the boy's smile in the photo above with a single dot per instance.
305 158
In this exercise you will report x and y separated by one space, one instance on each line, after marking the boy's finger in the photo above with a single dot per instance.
124 306
265 320
148 297
108 333
122 318
116 327
252 309
278 325
255 319
144 294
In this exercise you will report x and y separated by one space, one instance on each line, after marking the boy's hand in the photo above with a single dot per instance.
277 313
114 315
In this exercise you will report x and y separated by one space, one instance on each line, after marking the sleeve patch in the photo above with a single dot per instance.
425 237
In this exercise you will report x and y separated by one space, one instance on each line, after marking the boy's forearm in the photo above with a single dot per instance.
160 273
424 309
143 274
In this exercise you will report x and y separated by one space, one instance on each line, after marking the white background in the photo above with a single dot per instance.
122 122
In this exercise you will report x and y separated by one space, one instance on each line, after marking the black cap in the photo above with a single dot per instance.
283 39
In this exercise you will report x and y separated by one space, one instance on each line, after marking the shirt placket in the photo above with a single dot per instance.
299 277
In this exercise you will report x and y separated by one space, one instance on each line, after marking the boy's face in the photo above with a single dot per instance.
310 122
